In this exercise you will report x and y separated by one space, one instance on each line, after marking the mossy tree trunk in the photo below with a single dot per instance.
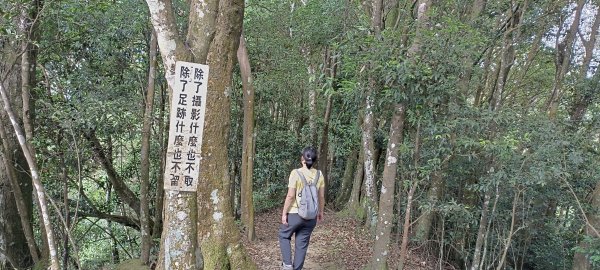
199 231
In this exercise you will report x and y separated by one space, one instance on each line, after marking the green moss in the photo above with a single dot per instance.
214 255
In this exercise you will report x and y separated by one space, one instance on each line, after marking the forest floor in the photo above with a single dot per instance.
336 243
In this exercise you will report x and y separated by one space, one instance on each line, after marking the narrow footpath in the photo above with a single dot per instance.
337 243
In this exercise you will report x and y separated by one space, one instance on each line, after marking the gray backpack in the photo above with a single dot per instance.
308 207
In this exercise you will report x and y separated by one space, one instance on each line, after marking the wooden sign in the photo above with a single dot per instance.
186 125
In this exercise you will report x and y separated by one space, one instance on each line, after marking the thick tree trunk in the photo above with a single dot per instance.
214 31
247 141
145 156
381 249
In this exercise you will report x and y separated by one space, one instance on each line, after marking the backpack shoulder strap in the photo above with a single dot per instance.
301 177
317 177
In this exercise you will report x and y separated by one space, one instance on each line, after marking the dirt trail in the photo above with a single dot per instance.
336 243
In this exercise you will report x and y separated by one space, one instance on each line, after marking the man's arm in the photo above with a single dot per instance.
289 198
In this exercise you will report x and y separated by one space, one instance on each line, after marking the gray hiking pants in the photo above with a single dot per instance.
302 229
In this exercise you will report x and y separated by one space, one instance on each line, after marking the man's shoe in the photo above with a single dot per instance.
286 267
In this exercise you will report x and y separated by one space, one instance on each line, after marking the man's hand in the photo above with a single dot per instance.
320 217
284 219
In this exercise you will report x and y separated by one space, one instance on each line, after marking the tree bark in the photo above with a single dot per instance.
119 185
423 227
481 231
40 191
346 187
353 204
13 241
213 37
322 159
381 249
582 98
247 141
369 202
21 191
163 141
145 155
564 51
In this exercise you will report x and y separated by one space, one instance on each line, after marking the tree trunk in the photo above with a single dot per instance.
385 221
163 141
312 108
581 261
353 204
13 243
20 189
322 159
406 226
511 37
369 203
346 187
119 185
564 50
423 227
481 232
582 98
247 141
40 191
145 156
213 37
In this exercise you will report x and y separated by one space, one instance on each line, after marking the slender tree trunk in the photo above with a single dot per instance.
346 187
247 141
409 199
511 37
353 204
564 51
423 227
581 261
41 193
510 232
406 226
22 197
582 98
163 141
465 77
13 241
312 108
369 203
381 249
145 156
118 183
481 231
324 146
114 246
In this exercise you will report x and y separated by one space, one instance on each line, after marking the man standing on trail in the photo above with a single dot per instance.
291 221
